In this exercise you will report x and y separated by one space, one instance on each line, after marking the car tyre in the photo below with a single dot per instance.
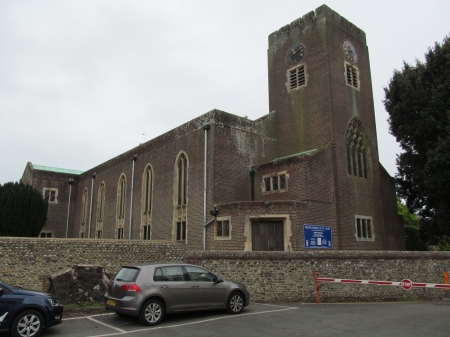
27 323
152 312
235 303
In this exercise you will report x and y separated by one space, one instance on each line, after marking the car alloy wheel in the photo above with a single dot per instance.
152 312
27 324
235 303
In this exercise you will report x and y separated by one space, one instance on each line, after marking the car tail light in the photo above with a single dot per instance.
130 287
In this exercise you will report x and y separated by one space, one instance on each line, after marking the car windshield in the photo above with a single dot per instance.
5 284
127 274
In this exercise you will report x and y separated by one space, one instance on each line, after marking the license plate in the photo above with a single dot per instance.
111 302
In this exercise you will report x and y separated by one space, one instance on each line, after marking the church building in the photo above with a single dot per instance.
304 176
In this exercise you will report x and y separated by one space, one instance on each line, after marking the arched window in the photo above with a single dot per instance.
100 211
182 180
180 199
84 213
147 196
121 194
357 149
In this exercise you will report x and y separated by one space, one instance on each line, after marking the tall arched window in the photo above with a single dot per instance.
84 213
100 211
180 198
121 198
147 196
358 150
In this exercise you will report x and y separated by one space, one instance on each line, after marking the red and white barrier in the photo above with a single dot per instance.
405 284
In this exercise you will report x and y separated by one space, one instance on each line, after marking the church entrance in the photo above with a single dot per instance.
267 236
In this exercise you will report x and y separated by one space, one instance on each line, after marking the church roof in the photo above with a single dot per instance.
56 169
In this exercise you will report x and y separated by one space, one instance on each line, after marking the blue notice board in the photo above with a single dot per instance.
317 236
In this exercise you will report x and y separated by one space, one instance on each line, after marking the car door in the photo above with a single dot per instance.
5 307
176 289
206 291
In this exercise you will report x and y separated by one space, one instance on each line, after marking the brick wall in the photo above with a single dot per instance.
269 276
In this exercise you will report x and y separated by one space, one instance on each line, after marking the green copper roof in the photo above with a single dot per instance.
294 155
55 169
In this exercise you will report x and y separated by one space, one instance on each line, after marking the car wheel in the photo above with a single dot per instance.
235 303
152 312
27 323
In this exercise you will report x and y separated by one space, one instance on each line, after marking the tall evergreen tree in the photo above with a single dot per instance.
23 211
418 102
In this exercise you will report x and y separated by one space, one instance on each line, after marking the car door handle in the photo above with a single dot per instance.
195 286
164 286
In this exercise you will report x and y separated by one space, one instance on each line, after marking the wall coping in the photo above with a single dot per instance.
318 255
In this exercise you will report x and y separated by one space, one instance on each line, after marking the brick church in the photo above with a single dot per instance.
306 175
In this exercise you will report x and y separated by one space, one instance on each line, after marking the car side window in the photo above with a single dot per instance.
200 275
170 273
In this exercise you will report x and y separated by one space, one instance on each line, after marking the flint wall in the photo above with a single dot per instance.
270 276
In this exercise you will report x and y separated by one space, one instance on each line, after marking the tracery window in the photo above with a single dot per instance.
357 150
147 196
100 211
121 193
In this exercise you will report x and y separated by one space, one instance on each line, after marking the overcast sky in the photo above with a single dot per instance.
83 81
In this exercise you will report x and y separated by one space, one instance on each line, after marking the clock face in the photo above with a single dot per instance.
295 54
350 52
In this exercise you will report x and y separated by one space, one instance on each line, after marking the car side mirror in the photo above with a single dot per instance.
218 280
1 292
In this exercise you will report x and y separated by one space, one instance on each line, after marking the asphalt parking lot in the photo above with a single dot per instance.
358 319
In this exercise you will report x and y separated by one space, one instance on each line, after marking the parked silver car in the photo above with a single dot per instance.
151 291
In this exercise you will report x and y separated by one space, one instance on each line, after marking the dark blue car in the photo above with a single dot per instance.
26 312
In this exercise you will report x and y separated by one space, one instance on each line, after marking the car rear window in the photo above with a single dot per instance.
127 274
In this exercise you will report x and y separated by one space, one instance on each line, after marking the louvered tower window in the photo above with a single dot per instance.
297 77
351 74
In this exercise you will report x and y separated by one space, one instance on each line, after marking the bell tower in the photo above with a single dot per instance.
319 79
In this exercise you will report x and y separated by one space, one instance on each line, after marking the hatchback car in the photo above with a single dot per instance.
152 291
26 312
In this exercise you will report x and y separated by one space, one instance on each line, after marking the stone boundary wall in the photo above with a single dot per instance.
28 262
287 276
269 276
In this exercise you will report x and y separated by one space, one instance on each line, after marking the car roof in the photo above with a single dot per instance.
155 265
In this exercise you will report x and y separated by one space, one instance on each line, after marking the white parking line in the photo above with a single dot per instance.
104 324
191 323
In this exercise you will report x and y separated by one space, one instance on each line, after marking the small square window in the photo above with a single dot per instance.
44 234
223 228
364 228
275 183
51 194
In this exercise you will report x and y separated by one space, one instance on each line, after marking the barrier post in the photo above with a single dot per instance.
317 288
446 281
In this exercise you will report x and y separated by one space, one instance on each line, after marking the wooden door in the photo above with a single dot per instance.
267 236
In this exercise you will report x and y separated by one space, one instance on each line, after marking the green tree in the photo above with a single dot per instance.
418 102
23 211
410 219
